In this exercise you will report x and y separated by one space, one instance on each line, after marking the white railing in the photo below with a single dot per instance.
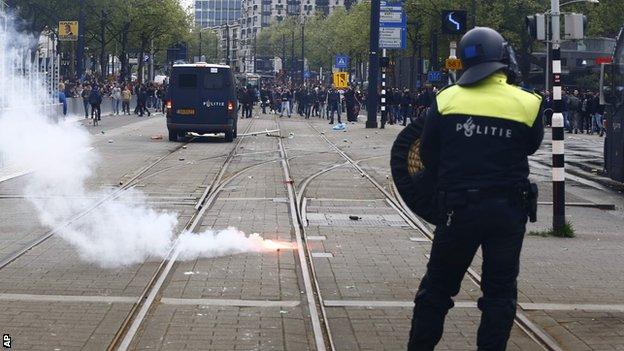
26 70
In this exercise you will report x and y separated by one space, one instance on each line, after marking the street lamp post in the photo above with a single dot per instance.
303 52
81 40
373 66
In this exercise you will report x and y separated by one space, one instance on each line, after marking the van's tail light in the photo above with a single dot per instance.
169 105
230 105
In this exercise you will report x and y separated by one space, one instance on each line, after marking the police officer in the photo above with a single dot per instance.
476 140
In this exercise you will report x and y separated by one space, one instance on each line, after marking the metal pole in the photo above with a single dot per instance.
151 77
384 92
548 48
373 66
227 44
292 55
81 40
200 44
303 52
254 53
558 171
474 13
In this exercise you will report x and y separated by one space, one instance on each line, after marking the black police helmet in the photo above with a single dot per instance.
484 51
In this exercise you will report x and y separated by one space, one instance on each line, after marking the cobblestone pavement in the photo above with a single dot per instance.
366 257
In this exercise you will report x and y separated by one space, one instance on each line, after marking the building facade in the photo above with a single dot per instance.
258 14
212 13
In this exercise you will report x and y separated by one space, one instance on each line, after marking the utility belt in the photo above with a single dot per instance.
526 194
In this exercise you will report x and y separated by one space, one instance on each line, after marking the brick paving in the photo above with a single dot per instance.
360 264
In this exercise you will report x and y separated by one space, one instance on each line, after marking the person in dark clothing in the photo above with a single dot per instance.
250 101
405 104
142 102
333 104
264 99
315 101
95 100
350 102
286 97
306 100
477 137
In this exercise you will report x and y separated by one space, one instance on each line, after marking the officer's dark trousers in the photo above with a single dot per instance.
495 224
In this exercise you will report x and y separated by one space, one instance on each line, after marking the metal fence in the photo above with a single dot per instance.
33 70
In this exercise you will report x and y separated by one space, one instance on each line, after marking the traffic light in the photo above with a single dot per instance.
575 26
454 22
536 26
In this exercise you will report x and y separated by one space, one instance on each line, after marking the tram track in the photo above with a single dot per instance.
138 176
521 320
137 314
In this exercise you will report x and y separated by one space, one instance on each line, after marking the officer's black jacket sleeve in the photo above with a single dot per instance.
536 132
430 142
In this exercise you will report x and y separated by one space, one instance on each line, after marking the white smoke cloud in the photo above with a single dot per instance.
119 232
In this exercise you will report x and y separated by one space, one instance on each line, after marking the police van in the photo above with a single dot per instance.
201 98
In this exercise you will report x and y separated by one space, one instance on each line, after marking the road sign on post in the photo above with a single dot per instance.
453 64
453 22
434 76
68 30
341 61
392 25
341 80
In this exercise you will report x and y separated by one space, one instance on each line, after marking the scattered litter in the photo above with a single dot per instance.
340 126
387 176
355 218
181 159
184 147
157 137
283 312
110 141
250 177
120 183
345 140
366 137
103 132
350 286
189 273
291 135
289 181
323 133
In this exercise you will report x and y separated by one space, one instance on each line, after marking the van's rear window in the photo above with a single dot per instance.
187 80
216 79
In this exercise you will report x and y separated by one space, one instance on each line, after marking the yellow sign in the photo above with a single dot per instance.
341 80
453 64
68 30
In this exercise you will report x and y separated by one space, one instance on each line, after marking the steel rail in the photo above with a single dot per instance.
135 317
521 319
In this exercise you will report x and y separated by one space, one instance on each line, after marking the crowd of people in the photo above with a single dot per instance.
92 93
328 102
582 112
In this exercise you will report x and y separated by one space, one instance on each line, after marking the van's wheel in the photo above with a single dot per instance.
173 135
181 135
229 136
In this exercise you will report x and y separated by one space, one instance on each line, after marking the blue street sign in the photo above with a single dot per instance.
392 26
341 61
434 76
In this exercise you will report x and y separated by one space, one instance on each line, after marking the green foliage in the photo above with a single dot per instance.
341 32
129 25
566 232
